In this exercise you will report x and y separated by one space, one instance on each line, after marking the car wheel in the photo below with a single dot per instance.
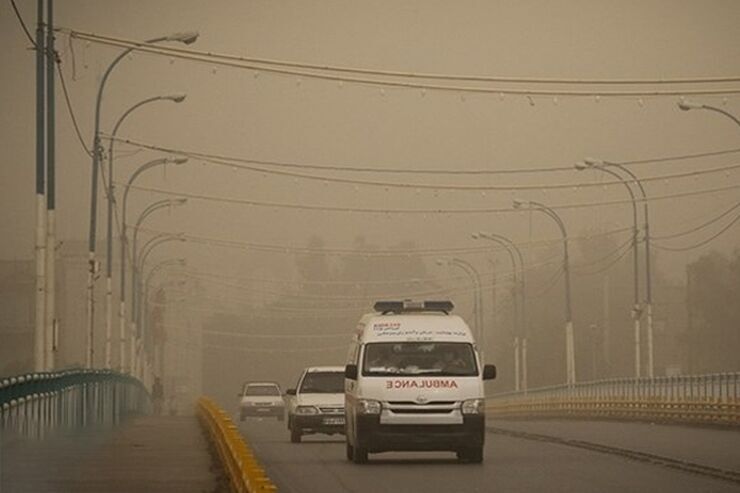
472 455
359 454
295 434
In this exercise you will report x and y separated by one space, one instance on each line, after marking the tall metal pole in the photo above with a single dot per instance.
97 153
636 311
40 247
109 241
519 297
477 297
648 272
123 248
141 304
50 322
569 334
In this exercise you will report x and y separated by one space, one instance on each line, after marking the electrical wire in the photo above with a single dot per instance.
479 78
23 24
70 109
549 284
605 267
305 207
234 62
475 188
697 228
227 160
374 253
701 243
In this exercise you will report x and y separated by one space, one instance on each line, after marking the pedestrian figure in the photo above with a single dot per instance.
157 396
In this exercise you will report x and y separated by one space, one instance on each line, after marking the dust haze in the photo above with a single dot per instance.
313 193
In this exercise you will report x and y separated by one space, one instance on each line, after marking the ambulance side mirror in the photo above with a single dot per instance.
350 372
489 372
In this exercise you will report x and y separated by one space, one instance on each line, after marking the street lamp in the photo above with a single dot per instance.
589 163
648 274
155 206
145 334
177 98
518 293
122 294
569 336
687 106
138 294
181 37
477 300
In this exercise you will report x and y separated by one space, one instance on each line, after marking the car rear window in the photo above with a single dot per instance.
262 390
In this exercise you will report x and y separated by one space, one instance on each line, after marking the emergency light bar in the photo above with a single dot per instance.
406 306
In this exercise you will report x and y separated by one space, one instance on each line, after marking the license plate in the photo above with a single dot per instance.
334 421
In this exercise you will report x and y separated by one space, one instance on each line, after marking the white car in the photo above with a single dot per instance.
316 405
261 399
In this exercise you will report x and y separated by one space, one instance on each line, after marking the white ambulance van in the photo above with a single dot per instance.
414 382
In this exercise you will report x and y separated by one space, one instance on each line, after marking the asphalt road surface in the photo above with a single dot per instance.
511 464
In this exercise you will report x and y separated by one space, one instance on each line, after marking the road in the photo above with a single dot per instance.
512 464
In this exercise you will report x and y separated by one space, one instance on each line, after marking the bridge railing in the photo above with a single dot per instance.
711 398
34 404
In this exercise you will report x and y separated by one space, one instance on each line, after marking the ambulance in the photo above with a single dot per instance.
414 382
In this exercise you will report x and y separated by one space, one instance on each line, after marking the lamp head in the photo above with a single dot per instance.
592 162
181 201
177 97
179 160
686 106
442 261
476 236
187 37
518 204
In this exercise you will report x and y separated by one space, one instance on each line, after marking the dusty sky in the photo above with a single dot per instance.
284 118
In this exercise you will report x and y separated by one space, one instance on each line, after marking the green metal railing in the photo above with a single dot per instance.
712 398
35 404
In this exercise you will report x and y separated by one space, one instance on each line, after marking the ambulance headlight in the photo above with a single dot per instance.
306 410
368 406
473 406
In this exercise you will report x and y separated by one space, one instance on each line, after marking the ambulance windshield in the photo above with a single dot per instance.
419 358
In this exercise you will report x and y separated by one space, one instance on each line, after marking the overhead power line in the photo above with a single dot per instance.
701 243
470 188
228 160
425 75
382 80
697 228
370 210
23 24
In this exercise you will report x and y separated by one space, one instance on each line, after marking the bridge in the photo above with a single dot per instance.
90 431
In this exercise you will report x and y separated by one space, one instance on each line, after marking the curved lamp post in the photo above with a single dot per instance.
183 37
145 323
150 245
597 163
569 336
177 98
687 106
155 206
122 290
635 312
477 301
518 294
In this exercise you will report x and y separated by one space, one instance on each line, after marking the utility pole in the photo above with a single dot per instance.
40 247
50 322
